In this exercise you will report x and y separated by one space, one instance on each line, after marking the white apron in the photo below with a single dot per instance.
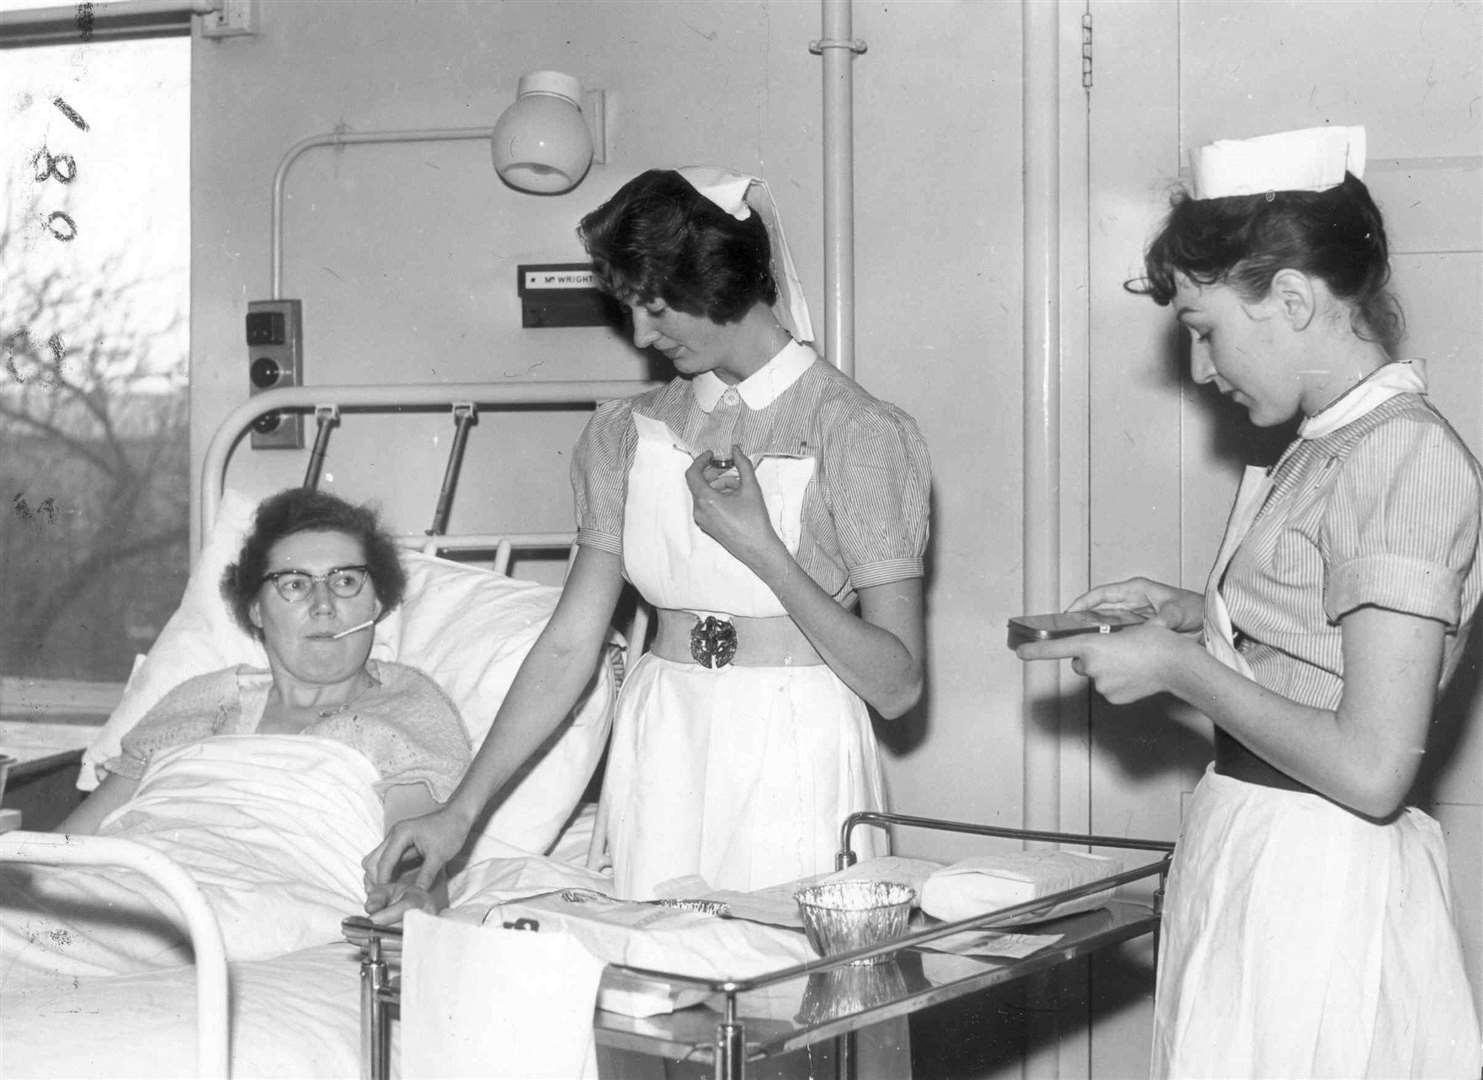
739 774
1298 939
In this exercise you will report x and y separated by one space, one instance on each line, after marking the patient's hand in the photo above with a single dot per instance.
386 904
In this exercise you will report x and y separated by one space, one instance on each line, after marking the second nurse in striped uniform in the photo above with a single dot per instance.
1307 923
775 515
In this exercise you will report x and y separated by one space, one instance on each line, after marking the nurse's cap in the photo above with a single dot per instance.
1312 159
741 196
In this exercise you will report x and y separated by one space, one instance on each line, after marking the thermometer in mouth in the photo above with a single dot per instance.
352 629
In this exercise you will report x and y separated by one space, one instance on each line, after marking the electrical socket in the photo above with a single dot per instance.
275 349
233 18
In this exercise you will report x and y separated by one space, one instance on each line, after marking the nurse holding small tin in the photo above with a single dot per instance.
774 514
1308 923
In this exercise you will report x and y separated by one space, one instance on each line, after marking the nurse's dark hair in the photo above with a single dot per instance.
1242 241
298 510
658 238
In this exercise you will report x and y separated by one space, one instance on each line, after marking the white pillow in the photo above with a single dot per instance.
200 636
467 628
470 630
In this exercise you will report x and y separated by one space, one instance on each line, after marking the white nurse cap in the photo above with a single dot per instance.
1311 159
739 195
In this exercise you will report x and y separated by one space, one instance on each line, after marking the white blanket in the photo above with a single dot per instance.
271 827
295 1016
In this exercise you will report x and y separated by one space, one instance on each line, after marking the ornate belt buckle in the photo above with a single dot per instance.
712 641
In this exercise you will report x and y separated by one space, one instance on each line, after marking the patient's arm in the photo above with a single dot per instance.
389 902
112 793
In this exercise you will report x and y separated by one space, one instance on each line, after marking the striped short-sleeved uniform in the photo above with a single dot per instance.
1300 938
865 514
1385 512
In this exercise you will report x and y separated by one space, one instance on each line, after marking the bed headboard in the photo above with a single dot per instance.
327 403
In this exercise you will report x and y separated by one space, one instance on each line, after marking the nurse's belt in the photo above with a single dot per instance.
739 194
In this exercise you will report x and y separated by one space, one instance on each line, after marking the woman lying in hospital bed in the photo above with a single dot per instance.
260 782
268 775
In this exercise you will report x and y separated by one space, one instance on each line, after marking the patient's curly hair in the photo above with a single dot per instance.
297 510
658 238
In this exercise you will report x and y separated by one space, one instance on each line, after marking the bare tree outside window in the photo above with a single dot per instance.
94 295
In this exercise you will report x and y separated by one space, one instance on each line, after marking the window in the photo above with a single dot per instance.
94 313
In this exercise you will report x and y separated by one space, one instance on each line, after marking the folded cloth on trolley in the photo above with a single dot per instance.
489 1002
986 883
678 937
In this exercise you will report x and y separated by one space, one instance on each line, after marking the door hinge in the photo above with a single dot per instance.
1086 50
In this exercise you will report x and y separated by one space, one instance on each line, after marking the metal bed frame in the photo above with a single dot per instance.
730 1042
327 403
212 1018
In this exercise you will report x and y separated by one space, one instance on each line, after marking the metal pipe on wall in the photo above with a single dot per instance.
1041 764
838 50
341 138
1042 404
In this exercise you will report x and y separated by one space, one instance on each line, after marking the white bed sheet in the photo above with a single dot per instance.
295 1016
272 828
292 1015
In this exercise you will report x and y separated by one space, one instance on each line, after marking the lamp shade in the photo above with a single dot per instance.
541 142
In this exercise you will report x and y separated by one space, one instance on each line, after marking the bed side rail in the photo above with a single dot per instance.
65 849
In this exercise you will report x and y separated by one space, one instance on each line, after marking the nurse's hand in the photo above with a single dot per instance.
1124 666
729 507
428 841
1178 609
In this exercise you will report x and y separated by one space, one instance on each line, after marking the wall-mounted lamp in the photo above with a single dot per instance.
542 143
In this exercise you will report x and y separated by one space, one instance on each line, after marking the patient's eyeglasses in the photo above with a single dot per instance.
342 581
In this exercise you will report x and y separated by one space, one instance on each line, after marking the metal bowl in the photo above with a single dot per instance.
845 991
840 916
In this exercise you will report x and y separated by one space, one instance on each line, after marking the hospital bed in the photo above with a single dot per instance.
293 1011
325 1008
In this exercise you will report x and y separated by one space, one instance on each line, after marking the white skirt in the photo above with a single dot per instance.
1302 941
742 775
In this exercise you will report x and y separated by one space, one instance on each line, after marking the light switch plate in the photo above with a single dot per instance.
234 18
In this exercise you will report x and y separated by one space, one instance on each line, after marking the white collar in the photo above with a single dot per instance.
1382 384
761 388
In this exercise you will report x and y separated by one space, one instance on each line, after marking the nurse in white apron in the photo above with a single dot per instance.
775 516
1308 925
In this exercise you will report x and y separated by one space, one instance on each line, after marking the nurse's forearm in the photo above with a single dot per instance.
543 693
1365 766
558 668
870 659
